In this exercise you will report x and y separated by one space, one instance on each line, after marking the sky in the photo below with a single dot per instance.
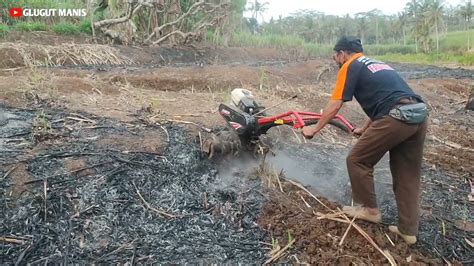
335 7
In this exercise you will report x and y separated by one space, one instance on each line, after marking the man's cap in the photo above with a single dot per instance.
349 43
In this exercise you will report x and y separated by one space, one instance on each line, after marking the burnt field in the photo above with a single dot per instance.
101 162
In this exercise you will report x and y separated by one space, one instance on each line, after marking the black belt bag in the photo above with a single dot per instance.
410 113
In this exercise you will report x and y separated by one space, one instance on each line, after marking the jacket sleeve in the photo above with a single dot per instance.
346 82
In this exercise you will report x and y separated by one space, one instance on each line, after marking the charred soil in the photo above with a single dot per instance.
101 162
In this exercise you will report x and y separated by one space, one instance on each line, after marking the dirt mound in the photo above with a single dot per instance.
22 54
318 240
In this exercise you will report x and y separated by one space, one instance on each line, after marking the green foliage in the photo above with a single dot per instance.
85 26
275 245
238 6
31 26
457 41
263 81
4 30
466 59
52 3
268 40
290 237
66 28
389 48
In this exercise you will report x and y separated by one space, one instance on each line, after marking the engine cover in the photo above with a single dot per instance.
244 124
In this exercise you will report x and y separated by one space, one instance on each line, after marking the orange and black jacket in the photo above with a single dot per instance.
374 84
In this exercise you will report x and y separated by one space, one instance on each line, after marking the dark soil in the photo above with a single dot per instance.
63 214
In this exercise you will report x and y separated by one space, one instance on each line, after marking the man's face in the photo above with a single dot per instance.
338 57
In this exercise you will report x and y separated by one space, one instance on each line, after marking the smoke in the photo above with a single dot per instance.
322 168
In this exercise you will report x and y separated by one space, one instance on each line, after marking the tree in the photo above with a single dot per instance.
401 25
467 12
258 9
374 14
434 16
173 21
362 25
412 11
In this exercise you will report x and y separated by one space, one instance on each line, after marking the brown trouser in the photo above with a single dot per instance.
405 143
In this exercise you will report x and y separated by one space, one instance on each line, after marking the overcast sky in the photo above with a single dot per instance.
335 7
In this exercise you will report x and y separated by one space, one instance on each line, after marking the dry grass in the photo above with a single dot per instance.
38 88
66 54
270 177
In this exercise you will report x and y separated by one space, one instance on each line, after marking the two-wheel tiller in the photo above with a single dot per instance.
249 121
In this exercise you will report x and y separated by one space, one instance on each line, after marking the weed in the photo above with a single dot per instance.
275 245
38 88
263 81
85 26
66 28
270 177
4 30
41 128
290 237
31 26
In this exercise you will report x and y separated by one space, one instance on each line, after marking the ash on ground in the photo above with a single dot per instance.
78 195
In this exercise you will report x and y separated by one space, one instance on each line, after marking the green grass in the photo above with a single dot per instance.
85 26
31 26
453 48
389 48
4 30
50 3
66 28
283 42
466 59
457 41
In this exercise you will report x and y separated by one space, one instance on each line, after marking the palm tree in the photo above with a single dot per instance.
434 16
401 25
412 9
362 25
467 12
258 9
375 14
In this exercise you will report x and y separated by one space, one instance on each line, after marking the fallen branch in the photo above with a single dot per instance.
12 240
305 202
280 252
191 11
151 207
9 171
68 173
390 240
278 179
347 231
126 245
310 194
366 236
451 144
190 123
81 119
131 10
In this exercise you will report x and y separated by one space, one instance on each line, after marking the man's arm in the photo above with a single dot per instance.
331 109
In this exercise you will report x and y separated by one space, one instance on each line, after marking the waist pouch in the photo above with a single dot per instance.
410 113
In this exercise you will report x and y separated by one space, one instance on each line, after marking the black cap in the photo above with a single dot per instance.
349 43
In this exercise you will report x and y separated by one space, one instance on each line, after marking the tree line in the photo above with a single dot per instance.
422 22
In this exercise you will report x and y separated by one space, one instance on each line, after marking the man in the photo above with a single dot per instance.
396 123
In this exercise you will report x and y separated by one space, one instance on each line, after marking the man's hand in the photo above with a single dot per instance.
358 131
308 132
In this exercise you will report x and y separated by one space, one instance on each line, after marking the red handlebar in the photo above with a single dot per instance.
291 117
